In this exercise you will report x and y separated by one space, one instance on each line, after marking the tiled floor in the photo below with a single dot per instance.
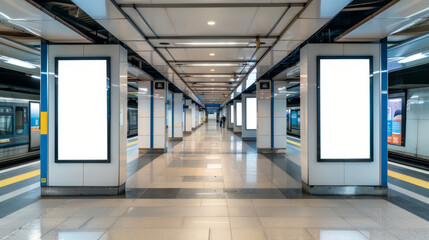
213 186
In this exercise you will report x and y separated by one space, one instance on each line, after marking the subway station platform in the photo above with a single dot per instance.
211 185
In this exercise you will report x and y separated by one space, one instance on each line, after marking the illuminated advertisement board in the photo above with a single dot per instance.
82 110
34 125
251 117
239 114
396 119
345 131
232 113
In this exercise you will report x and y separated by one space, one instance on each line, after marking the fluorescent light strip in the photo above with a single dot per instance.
211 43
211 64
17 62
413 58
5 16
210 76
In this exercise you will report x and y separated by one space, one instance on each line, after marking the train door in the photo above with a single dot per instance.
34 126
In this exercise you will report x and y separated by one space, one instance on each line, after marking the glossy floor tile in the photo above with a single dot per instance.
213 185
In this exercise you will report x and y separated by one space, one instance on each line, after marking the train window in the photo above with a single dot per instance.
19 120
25 115
6 124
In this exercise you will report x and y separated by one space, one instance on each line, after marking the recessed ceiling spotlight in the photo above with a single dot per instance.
211 23
212 54
212 79
211 70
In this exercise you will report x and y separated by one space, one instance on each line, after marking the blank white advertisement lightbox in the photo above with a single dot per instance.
232 114
82 110
345 118
239 114
251 113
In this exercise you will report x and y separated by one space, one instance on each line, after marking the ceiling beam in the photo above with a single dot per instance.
197 47
230 82
209 91
211 87
211 73
200 37
214 61
211 5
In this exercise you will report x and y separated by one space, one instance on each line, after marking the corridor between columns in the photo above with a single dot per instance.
212 159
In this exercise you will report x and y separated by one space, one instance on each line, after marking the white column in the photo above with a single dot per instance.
144 114
188 119
176 125
194 114
169 107
152 115
238 123
344 175
271 127
85 175
279 114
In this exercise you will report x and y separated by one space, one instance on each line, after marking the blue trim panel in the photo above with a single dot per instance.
185 118
151 114
172 115
384 150
14 144
44 108
272 113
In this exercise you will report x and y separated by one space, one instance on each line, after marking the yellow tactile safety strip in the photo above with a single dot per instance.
19 178
405 178
294 143
132 143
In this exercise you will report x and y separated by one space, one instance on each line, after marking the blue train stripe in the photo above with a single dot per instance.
14 144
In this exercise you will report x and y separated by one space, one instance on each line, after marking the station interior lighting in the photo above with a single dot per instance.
17 62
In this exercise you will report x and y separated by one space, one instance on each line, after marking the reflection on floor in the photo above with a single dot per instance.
212 185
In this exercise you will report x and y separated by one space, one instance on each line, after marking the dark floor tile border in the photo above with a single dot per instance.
214 151
410 204
236 193
18 202
140 162
288 166
202 179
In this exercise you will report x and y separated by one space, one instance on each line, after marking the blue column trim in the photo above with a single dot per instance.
272 113
384 89
44 108
151 114
172 115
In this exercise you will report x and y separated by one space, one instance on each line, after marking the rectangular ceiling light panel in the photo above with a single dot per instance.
345 109
82 107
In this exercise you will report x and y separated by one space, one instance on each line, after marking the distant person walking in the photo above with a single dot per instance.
222 121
